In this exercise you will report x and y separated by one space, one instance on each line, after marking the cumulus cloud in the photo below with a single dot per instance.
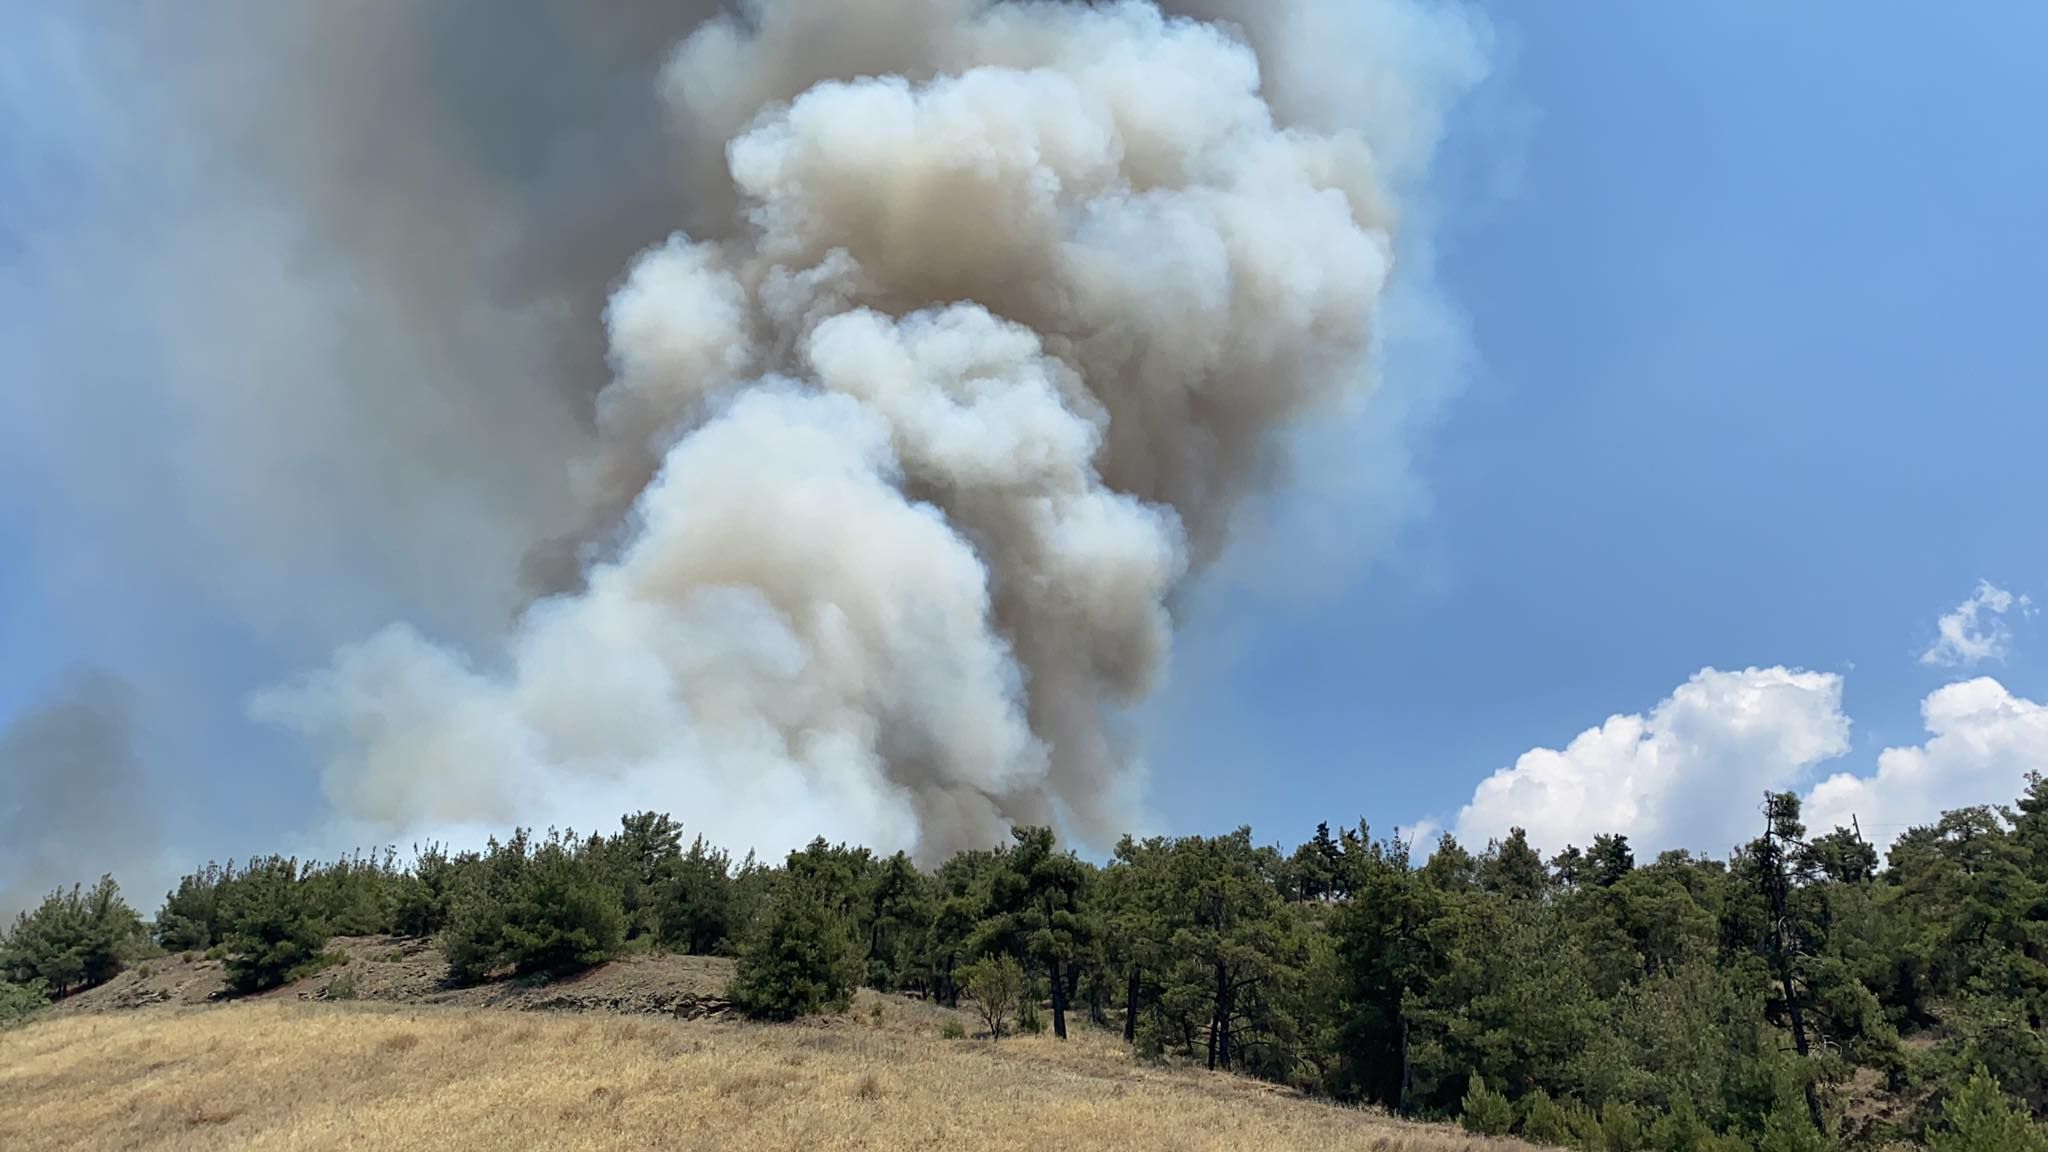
1689 773
1976 631
1982 742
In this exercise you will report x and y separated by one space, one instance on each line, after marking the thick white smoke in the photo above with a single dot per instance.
896 474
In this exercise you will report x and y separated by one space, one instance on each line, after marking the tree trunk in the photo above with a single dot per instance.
1781 956
1407 1069
1131 1007
1219 1024
1059 1001
1799 1043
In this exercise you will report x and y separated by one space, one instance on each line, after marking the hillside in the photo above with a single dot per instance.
406 971
435 1070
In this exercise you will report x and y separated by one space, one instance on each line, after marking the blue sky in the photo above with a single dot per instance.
1759 317
1754 300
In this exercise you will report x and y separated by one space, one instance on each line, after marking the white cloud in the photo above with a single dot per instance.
1690 773
1976 630
1982 741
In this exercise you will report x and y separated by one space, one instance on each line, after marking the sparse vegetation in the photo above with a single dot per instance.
1798 994
347 1077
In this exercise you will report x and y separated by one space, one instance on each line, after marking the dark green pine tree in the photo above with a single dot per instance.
271 931
800 960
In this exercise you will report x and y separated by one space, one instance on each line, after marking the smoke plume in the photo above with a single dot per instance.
981 324
72 800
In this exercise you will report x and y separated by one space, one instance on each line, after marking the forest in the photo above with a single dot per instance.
1803 993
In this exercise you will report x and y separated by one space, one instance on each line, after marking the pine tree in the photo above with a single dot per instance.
270 930
562 917
73 940
1978 1118
1543 1122
1484 1111
801 960
1039 912
1512 868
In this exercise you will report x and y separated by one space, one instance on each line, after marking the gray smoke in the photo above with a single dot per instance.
899 463
73 803
800 416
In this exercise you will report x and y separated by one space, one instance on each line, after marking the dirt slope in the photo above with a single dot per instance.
400 971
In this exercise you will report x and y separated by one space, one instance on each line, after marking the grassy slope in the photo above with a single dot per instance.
306 1075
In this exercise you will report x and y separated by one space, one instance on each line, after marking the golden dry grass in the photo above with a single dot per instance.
311 1076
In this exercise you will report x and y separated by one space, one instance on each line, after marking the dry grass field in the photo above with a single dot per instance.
310 1075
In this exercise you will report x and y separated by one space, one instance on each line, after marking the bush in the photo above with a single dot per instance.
1030 1018
72 940
996 986
1680 1130
1588 1133
342 987
1789 1129
800 961
1978 1118
1485 1111
1621 1128
1543 1122
272 934
952 1030
19 1001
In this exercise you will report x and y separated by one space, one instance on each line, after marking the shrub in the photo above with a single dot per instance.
342 987
272 934
19 1001
1030 1019
1789 1129
1543 1122
72 940
1977 1117
1485 1111
996 986
800 961
1588 1133
952 1030
1679 1130
1621 1128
